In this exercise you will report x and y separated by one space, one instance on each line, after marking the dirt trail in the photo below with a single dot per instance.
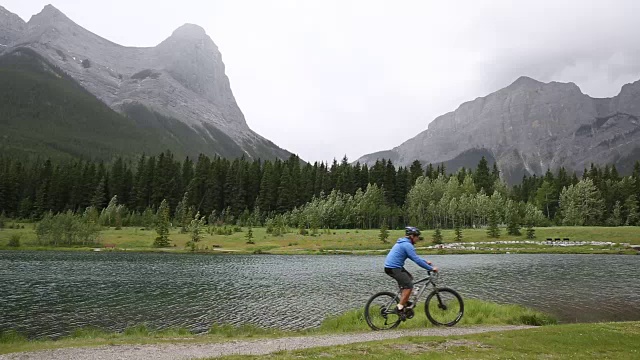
253 347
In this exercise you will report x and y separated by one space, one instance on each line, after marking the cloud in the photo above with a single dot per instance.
327 78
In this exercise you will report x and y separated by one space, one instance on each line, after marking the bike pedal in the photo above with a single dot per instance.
409 314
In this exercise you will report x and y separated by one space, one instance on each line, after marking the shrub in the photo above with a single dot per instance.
14 241
66 229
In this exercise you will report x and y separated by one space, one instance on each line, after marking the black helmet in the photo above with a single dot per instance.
410 230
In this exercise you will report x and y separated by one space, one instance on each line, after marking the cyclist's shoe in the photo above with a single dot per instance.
409 304
401 313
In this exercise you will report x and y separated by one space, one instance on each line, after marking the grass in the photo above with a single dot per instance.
574 341
476 312
341 241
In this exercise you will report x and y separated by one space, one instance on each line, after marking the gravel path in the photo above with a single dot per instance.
254 347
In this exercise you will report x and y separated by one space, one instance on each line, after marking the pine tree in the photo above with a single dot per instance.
531 232
162 225
99 195
513 224
389 182
458 231
513 227
249 236
384 232
286 195
437 235
493 231
430 173
482 178
415 172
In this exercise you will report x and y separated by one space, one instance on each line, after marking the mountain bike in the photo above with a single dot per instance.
443 306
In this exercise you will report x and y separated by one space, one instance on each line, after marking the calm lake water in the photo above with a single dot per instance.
52 293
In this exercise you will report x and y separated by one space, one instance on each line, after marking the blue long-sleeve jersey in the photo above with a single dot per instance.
402 250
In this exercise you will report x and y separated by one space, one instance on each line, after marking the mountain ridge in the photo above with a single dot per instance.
530 126
182 78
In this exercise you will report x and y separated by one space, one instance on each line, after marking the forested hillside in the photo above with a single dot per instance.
339 195
45 113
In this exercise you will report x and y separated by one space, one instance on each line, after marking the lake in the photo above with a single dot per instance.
49 293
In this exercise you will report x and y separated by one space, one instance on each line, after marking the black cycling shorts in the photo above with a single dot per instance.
402 276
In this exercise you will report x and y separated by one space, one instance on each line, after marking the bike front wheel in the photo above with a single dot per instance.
381 311
444 307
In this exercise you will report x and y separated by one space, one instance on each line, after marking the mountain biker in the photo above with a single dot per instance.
394 264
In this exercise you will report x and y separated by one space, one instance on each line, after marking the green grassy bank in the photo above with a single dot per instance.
476 313
574 341
341 241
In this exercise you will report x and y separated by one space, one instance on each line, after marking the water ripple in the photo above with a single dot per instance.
53 293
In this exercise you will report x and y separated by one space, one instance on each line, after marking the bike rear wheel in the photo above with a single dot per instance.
380 311
444 307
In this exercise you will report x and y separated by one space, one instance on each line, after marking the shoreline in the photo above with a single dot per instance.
549 240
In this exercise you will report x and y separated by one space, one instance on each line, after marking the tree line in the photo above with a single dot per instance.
320 195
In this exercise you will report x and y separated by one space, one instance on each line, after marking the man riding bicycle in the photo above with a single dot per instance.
394 264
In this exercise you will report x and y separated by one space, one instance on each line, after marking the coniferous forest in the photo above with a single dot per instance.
311 196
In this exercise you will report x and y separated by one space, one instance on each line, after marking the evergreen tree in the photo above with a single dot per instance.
265 197
482 179
389 183
98 199
513 226
513 218
430 173
249 236
384 232
437 235
162 225
187 172
286 196
495 173
493 231
458 231
531 232
415 171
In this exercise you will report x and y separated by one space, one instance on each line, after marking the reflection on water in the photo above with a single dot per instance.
52 293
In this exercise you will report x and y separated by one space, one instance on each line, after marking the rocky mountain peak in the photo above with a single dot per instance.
525 81
181 82
11 27
50 24
189 31
49 14
529 127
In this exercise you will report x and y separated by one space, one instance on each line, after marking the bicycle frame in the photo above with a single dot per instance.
414 298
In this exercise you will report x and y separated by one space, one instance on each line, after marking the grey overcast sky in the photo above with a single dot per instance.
327 78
